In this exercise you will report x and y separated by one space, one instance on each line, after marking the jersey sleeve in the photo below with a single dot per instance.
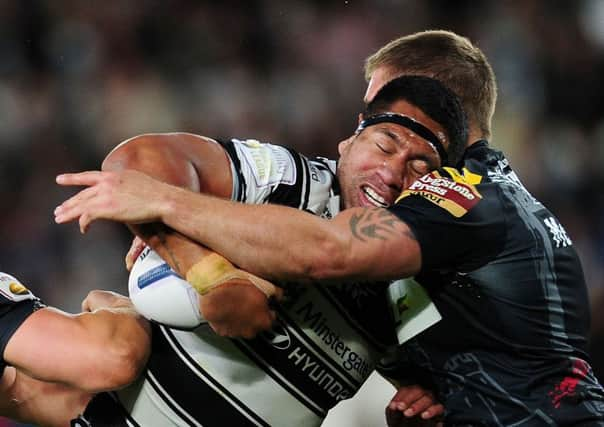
459 226
17 303
270 173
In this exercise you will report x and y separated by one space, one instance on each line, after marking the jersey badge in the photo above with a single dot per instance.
13 290
455 193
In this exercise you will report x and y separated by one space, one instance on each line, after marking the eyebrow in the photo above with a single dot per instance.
397 140
412 125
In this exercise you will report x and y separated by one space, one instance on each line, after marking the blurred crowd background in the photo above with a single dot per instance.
77 77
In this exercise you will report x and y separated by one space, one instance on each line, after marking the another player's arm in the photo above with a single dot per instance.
272 241
287 244
31 401
200 165
99 350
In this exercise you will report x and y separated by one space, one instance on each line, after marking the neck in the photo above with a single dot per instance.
475 135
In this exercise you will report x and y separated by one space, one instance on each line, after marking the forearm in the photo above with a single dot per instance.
283 243
31 401
92 351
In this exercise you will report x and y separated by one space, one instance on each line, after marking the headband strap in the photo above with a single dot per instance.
410 124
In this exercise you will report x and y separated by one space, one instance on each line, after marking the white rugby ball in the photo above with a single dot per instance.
160 295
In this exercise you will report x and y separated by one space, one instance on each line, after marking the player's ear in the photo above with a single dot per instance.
343 144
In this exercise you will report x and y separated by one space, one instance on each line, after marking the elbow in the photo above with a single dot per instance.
130 154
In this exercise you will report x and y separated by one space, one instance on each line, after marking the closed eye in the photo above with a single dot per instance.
383 149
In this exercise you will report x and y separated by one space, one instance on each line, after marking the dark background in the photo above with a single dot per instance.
77 77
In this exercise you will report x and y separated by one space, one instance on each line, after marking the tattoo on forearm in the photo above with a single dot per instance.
375 224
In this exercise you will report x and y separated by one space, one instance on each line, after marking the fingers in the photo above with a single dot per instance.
73 207
278 294
82 178
135 250
414 400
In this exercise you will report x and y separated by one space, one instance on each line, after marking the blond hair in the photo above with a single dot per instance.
449 58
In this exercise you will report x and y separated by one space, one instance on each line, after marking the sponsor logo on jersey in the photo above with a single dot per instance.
13 290
18 289
302 364
278 336
318 322
456 193
269 164
557 232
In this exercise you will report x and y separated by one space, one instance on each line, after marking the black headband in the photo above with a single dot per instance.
410 124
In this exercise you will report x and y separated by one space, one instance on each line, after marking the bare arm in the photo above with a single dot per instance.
31 401
94 351
272 241
283 243
200 165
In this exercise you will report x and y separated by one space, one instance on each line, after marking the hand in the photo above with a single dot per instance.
97 299
238 308
127 196
135 250
410 401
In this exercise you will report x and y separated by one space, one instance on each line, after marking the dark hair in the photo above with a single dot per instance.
435 100
451 59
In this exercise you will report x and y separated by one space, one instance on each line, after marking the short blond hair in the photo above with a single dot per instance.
449 58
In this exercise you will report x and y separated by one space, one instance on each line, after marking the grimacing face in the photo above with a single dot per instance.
377 164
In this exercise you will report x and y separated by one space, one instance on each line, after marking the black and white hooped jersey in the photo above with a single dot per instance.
324 345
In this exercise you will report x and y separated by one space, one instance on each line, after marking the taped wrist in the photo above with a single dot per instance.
214 270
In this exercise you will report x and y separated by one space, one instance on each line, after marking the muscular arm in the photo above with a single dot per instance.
272 241
200 165
28 400
283 243
94 351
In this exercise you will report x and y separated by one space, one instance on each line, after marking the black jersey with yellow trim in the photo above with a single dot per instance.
504 274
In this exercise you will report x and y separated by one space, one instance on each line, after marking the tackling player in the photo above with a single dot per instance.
499 265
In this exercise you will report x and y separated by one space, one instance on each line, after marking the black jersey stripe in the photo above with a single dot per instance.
350 319
272 370
190 388
131 422
290 195
308 179
168 400
103 410
240 179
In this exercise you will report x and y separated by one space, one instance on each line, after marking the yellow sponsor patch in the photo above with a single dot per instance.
456 194
18 288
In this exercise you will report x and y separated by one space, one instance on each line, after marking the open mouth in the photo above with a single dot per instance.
374 198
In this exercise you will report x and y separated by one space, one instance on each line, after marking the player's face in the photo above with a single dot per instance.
377 164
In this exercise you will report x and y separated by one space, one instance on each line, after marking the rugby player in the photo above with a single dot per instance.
54 363
327 339
499 266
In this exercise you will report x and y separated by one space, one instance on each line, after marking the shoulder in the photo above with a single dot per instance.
457 207
454 193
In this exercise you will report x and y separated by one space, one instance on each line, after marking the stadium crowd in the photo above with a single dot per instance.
76 78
